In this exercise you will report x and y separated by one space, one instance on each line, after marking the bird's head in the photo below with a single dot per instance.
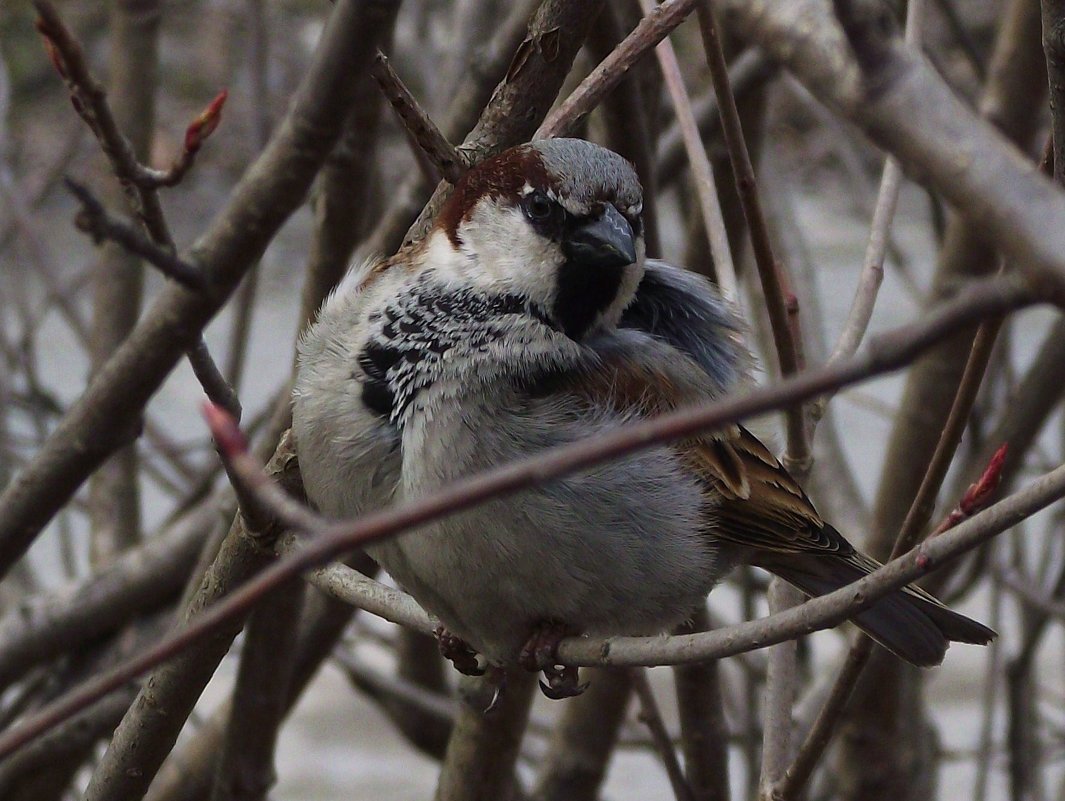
556 222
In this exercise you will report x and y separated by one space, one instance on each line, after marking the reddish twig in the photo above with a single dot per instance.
196 134
421 129
90 101
976 498
333 539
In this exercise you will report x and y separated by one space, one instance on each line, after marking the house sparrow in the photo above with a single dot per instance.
529 318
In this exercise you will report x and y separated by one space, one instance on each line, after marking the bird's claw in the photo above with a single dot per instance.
539 654
457 651
561 683
497 677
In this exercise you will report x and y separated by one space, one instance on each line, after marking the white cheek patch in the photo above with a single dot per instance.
503 253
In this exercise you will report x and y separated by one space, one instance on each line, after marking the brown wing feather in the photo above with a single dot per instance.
756 502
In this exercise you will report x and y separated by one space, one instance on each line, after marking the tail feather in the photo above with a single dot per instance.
909 622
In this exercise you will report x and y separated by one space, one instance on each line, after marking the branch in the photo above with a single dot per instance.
787 347
872 274
333 539
90 102
795 778
201 127
702 171
42 627
651 30
652 718
273 187
449 162
94 220
905 107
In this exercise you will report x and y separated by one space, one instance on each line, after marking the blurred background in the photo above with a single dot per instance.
374 720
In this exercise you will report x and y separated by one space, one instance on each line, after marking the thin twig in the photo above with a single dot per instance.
90 101
449 162
651 30
872 275
331 540
795 778
798 447
94 220
201 127
652 717
703 172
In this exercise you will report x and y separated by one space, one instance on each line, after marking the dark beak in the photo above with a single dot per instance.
605 241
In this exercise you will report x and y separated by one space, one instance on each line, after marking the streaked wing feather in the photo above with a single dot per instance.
755 502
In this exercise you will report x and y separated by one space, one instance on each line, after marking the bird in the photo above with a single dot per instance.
530 317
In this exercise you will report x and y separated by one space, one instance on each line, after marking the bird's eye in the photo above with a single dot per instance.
539 207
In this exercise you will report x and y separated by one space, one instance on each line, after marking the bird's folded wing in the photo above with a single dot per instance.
755 502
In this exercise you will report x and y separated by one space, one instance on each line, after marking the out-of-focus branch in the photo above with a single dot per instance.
703 728
188 772
750 70
272 189
652 718
483 749
703 173
94 220
916 117
651 30
118 276
90 102
626 115
261 697
872 275
449 162
42 627
795 778
798 447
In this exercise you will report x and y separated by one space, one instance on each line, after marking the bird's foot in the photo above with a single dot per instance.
540 654
561 683
459 652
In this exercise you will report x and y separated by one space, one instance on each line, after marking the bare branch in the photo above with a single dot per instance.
94 220
273 188
651 30
652 717
798 450
332 540
703 172
450 163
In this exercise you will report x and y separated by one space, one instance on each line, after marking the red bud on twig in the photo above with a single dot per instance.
979 493
204 124
224 429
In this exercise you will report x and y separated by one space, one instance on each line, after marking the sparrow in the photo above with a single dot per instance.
529 317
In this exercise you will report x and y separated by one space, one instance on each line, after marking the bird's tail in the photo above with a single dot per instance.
910 623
